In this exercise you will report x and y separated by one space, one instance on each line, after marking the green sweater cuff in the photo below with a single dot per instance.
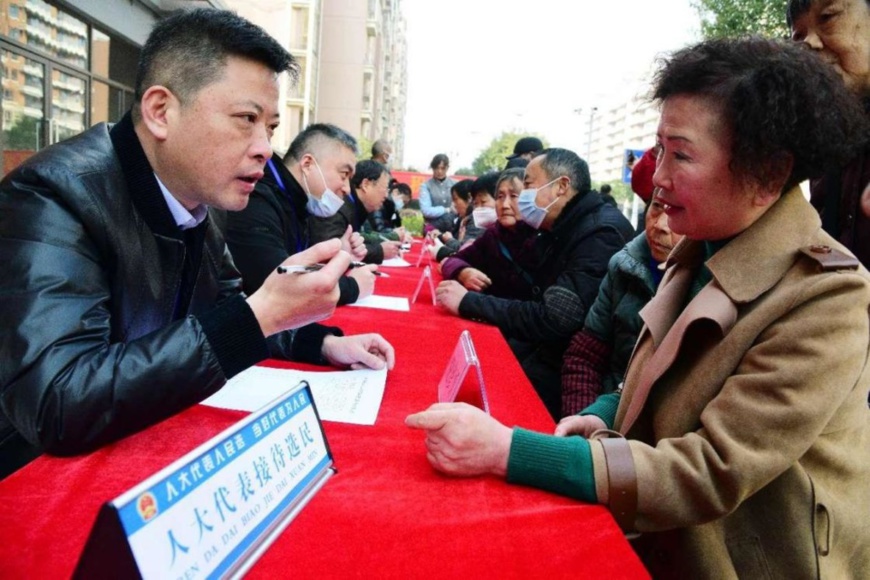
604 408
559 464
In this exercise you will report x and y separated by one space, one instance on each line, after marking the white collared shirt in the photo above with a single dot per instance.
183 219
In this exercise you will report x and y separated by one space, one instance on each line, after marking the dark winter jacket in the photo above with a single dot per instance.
567 266
499 253
614 322
273 226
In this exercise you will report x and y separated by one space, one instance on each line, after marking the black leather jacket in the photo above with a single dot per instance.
93 345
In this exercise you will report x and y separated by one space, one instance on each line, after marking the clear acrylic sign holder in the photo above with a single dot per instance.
427 275
450 389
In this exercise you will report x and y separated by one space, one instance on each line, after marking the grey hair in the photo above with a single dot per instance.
510 174
558 162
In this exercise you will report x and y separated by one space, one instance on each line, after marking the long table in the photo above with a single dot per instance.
386 514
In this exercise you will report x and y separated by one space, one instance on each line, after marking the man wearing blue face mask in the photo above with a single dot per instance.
578 234
310 180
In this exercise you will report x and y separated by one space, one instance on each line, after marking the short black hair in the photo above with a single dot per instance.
368 169
517 163
314 136
605 189
776 101
404 189
486 183
189 49
558 162
462 189
438 160
796 9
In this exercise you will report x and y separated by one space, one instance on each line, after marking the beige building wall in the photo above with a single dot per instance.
353 66
347 66
363 70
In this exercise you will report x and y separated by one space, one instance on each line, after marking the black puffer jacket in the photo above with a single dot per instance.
272 226
97 340
569 263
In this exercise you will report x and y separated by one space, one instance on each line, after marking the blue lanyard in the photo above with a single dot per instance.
300 240
356 219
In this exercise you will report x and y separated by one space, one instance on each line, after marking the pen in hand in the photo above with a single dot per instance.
303 269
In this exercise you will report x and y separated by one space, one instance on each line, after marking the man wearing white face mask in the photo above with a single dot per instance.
310 180
369 188
578 234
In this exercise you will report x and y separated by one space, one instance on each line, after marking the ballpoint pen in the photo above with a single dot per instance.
303 269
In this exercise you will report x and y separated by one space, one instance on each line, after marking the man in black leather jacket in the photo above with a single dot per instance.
121 305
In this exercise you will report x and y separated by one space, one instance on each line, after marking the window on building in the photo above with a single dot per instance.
113 58
299 25
108 103
52 31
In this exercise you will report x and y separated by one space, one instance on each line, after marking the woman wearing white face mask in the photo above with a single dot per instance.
475 216
494 262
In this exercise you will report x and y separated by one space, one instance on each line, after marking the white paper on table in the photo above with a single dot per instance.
395 263
384 303
343 396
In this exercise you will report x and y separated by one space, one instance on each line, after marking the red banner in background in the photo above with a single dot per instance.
416 179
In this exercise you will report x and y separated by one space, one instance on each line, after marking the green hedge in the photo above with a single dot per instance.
412 221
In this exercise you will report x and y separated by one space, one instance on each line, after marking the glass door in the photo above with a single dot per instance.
68 106
43 103
24 130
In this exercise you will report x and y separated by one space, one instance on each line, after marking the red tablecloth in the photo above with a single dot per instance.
386 514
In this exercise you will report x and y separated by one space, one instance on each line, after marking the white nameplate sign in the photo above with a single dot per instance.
463 358
427 275
213 512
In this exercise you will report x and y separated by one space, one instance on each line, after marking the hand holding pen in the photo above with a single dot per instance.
284 302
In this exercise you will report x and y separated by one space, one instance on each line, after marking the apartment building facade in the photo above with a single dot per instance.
352 56
626 123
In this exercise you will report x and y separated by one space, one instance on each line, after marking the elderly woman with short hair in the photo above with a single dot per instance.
839 31
746 449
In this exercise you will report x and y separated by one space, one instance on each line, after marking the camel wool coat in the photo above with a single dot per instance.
747 432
